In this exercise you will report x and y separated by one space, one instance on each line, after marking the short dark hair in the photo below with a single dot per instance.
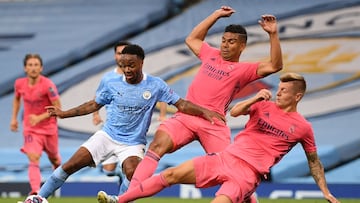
239 29
29 56
121 43
134 49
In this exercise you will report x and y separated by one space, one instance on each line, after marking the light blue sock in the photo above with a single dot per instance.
109 173
124 186
115 172
55 181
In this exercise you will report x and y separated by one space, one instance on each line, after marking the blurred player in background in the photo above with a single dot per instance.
40 131
273 129
219 78
132 98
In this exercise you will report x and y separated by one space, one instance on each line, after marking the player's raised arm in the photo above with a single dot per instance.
195 39
242 107
269 25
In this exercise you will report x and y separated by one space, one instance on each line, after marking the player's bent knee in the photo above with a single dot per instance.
170 176
161 147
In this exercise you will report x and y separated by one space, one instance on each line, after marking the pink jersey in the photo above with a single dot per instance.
35 98
270 134
217 81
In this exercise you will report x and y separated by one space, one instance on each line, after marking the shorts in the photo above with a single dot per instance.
102 147
111 160
183 129
37 143
238 181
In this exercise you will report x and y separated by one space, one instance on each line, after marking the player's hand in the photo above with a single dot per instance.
330 198
263 94
161 118
225 11
53 111
210 115
34 119
14 125
268 23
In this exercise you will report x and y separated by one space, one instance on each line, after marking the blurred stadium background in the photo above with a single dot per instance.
320 39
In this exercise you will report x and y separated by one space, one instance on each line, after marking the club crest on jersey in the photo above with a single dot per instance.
292 129
147 95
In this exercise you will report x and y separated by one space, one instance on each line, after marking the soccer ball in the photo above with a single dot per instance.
35 199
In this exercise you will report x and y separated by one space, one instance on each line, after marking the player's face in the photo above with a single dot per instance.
118 54
131 66
33 68
231 46
286 97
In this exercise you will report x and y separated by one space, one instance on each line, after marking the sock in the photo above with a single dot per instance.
115 172
109 173
253 198
55 181
145 169
124 186
34 176
147 188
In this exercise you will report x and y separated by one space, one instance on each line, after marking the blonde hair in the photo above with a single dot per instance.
299 80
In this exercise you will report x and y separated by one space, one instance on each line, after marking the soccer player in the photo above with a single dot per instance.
132 98
40 131
273 129
220 77
110 166
119 46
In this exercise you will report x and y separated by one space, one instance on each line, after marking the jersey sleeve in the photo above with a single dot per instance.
103 95
16 88
167 94
52 91
207 51
308 142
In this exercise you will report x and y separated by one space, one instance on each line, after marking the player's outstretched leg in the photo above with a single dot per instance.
102 197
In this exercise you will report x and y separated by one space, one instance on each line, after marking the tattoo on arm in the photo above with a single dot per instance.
316 168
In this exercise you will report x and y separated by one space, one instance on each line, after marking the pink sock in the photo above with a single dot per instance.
146 188
253 198
145 169
34 176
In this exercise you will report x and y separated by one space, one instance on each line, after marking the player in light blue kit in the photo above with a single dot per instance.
132 98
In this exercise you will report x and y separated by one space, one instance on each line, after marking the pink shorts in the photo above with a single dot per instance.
238 181
184 128
36 143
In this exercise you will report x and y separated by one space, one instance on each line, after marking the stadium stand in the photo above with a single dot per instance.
335 125
65 32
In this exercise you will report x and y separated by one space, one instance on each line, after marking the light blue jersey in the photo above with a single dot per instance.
130 106
107 76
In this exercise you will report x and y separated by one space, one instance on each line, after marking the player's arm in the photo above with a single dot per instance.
317 172
96 118
162 114
15 110
196 37
83 109
35 119
269 24
243 107
195 110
